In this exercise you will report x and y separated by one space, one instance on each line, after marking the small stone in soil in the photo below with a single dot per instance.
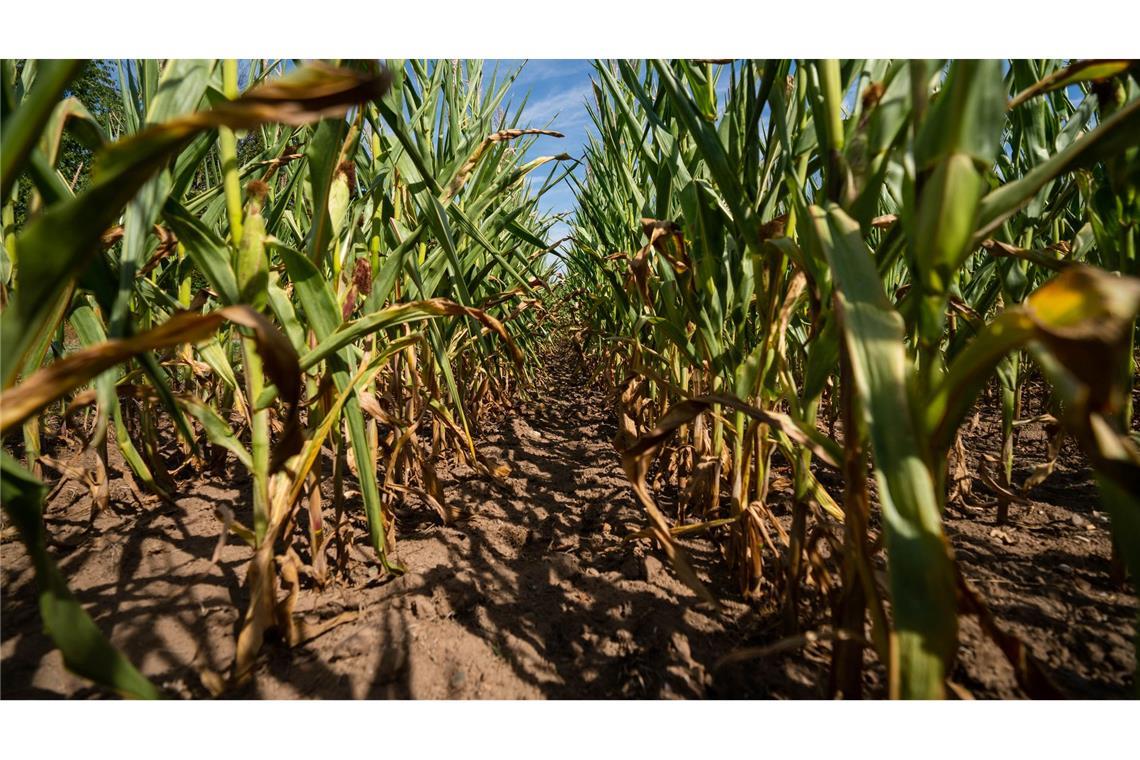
1002 536
633 569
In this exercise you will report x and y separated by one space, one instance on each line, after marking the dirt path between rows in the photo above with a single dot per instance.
532 595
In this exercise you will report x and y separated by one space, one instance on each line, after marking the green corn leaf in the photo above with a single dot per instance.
966 116
23 125
921 569
1112 137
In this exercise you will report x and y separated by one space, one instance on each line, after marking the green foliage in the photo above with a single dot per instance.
309 211
875 240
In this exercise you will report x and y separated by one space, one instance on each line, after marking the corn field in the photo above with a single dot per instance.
794 285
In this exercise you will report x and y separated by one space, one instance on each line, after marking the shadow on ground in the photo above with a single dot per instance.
532 594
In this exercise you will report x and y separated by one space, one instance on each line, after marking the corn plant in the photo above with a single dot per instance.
339 254
888 235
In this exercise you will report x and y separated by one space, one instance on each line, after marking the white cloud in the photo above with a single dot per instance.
568 102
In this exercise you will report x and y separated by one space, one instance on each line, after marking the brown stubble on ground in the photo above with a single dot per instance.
533 593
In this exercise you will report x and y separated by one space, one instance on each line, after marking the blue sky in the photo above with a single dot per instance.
558 91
